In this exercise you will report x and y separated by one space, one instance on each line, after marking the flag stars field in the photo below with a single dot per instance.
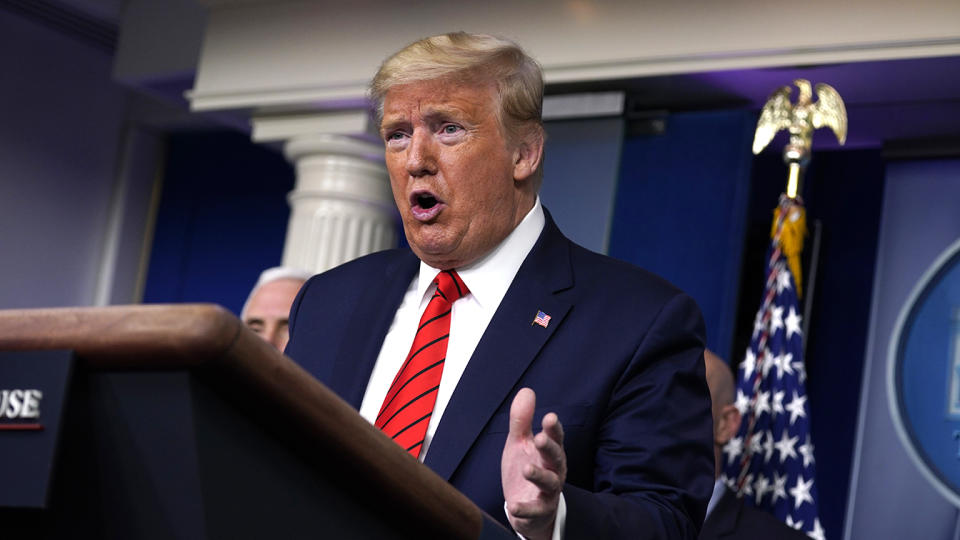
761 486
801 492
782 363
806 450
768 447
749 364
777 403
785 447
767 362
779 487
742 402
733 448
783 282
762 404
776 320
792 323
771 396
817 533
797 407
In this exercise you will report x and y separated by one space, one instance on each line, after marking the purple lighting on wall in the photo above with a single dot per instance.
885 100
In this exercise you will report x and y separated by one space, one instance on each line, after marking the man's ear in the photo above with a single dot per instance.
528 154
727 425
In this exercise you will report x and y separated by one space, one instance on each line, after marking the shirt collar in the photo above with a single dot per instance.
489 278
719 488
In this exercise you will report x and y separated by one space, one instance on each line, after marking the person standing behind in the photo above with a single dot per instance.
729 516
267 308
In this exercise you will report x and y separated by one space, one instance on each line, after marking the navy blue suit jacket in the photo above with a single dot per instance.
620 362
733 519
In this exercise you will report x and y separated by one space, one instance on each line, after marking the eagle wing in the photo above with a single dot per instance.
774 116
830 112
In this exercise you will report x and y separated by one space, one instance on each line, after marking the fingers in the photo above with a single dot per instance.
548 482
549 443
533 468
521 414
553 428
529 510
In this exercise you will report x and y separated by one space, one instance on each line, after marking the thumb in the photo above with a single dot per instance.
521 414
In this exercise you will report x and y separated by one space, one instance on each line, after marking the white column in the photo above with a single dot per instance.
341 207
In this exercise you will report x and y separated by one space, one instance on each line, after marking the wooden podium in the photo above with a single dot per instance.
178 422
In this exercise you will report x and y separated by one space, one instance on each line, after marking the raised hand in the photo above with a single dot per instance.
533 469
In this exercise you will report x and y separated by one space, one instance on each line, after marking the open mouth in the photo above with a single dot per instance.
425 206
426 201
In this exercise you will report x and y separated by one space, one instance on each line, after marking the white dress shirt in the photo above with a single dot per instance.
488 280
719 488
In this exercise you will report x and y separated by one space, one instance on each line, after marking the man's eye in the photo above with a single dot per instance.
450 129
396 135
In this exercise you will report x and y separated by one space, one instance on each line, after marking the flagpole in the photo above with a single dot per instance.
797 155
793 181
801 120
771 460
812 280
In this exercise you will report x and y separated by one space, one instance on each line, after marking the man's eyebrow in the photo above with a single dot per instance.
392 123
431 113
441 111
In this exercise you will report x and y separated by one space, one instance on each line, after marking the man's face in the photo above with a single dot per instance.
456 180
269 308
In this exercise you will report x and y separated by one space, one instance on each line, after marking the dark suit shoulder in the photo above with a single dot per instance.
734 519
364 267
321 313
334 292
768 526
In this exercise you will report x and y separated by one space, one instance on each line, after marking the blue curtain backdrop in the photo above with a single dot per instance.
680 210
581 165
222 219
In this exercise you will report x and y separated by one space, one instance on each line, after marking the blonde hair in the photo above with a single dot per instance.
469 58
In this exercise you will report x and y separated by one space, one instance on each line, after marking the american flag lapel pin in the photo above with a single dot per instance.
542 319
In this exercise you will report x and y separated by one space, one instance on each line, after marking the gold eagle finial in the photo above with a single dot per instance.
800 119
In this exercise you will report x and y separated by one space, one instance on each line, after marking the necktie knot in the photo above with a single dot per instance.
450 286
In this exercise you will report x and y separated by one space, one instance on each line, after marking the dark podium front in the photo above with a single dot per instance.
178 422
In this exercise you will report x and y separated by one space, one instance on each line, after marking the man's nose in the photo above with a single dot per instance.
276 335
421 158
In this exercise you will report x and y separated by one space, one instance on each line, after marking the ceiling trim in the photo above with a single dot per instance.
348 95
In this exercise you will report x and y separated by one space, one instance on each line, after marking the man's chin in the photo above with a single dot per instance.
442 261
437 253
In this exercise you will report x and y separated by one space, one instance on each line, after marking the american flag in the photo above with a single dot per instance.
770 461
542 319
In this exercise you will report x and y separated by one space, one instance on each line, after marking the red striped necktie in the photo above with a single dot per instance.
408 405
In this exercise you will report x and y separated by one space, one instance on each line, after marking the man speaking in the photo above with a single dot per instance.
560 390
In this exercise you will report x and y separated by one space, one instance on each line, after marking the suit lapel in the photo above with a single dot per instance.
507 348
376 306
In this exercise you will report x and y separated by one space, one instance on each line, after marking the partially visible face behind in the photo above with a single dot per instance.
726 418
269 309
458 183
